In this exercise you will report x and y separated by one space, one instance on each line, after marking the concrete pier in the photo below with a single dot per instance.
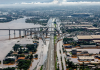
14 33
9 34
20 33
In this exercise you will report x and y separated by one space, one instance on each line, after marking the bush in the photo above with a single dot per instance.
6 61
24 64
9 54
36 56
9 68
27 51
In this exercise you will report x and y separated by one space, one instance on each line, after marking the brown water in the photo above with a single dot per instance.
6 45
15 24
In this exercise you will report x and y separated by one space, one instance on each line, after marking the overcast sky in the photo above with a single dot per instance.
29 1
6 3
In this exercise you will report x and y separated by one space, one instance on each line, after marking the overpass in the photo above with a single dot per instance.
50 62
49 29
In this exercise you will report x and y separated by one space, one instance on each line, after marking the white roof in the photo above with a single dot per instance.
96 41
96 36
11 57
84 37
86 57
88 36
92 28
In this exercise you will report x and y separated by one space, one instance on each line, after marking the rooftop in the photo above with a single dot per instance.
88 36
86 57
84 37
96 41
95 36
92 28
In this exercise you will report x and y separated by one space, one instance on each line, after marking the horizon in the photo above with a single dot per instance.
31 3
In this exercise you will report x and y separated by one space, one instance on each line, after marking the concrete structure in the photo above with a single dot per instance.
86 58
88 37
93 28
87 46
50 63
74 51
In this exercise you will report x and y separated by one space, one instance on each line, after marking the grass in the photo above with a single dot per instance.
56 62
41 67
55 37
55 25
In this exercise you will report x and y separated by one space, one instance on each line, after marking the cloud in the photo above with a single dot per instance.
83 0
53 3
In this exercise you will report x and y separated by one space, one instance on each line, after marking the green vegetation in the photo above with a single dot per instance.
85 43
16 46
55 25
32 47
62 63
95 25
24 64
58 67
67 40
72 30
36 55
9 68
36 21
9 60
56 62
9 54
55 37
31 57
41 67
60 51
70 64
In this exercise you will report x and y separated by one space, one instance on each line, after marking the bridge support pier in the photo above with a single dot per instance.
46 34
20 33
25 33
9 34
31 33
14 33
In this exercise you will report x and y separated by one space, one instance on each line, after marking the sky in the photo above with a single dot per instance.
47 2
20 1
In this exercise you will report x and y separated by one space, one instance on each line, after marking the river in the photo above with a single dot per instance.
6 45
15 24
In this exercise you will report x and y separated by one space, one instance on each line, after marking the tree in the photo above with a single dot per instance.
83 66
24 64
31 57
95 25
36 56
9 68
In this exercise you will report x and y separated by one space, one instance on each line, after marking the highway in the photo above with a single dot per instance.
50 64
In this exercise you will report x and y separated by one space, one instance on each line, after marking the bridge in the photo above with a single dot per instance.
49 29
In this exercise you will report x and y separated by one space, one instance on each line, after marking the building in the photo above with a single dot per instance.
88 37
93 28
82 46
11 57
86 58
74 51
69 46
